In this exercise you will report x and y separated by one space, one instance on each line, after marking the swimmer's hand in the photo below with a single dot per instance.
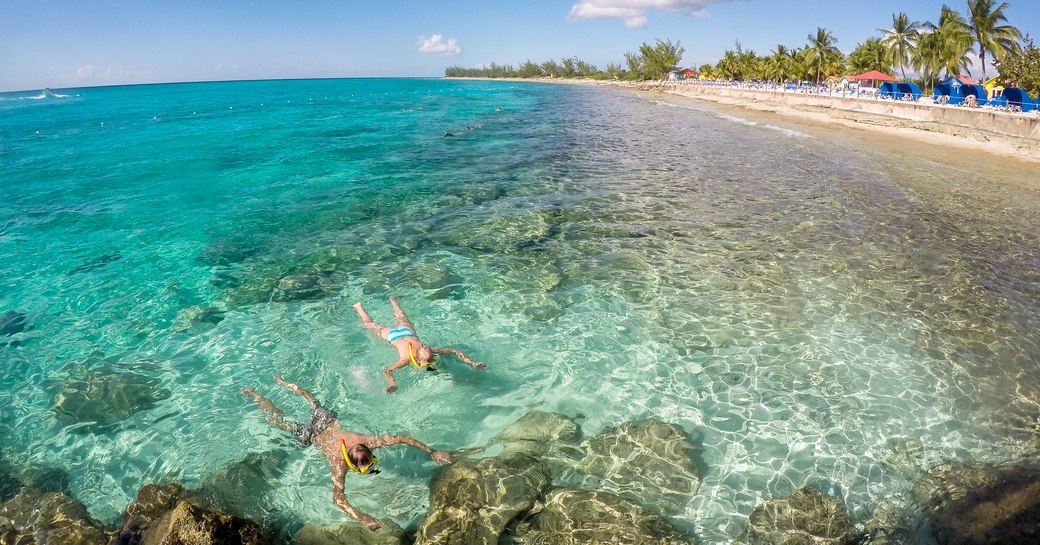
479 365
390 389
248 392
370 522
440 457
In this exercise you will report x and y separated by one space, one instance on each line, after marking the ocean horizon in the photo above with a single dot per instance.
813 307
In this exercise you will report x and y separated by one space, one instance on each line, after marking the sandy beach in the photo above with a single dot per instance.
834 111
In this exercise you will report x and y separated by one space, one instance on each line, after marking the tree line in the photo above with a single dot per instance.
648 63
934 50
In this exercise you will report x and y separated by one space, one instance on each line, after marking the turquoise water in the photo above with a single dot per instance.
805 302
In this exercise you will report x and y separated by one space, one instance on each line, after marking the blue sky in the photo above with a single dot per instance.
69 43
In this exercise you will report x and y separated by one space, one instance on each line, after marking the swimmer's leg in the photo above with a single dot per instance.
275 416
297 390
379 330
402 318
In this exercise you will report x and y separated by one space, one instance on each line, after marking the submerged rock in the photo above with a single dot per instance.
9 485
347 533
230 250
12 322
103 397
42 478
902 457
647 461
572 516
241 487
472 501
537 433
976 503
97 263
198 315
35 517
302 286
806 516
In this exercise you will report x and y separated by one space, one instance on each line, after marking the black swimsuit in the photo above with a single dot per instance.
321 418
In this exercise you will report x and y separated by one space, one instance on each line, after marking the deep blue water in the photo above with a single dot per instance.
803 301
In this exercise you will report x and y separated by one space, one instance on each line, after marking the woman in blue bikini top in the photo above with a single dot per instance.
403 338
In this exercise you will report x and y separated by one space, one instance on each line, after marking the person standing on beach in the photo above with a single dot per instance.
345 450
403 338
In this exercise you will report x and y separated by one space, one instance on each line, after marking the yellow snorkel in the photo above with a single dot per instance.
411 356
368 467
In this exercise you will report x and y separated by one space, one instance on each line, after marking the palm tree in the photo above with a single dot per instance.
901 39
926 57
824 51
989 33
871 55
778 65
955 38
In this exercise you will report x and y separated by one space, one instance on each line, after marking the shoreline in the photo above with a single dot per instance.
844 113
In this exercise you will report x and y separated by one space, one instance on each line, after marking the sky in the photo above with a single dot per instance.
78 43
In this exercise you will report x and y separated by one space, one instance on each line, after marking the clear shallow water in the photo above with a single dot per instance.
803 301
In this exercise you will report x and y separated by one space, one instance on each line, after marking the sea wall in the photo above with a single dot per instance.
1021 125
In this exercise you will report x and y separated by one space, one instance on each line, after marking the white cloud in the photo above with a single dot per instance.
436 45
634 11
85 70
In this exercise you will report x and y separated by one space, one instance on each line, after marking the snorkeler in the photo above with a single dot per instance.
345 450
409 348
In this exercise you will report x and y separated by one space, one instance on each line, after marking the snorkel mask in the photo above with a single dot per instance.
367 468
411 356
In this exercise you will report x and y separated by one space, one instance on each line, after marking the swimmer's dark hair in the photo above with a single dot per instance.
360 455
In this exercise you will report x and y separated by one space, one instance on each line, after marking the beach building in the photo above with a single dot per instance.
955 82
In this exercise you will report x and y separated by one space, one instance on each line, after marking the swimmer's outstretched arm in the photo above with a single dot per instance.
296 390
459 355
380 441
388 373
340 499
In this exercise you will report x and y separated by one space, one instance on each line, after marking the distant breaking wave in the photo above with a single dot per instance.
43 94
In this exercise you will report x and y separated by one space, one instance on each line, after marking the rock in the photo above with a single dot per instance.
573 516
42 478
890 525
976 503
198 315
36 517
537 433
230 250
153 501
169 515
301 287
646 461
472 501
12 322
9 485
346 533
805 517
902 457
189 524
97 263
241 487
103 397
